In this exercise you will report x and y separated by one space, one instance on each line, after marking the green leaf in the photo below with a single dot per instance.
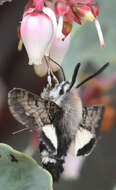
18 171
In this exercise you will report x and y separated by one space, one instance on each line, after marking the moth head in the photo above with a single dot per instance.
60 90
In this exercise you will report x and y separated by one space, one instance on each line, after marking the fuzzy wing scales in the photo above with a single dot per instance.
30 109
92 118
88 132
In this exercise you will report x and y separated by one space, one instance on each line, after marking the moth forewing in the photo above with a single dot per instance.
92 118
30 109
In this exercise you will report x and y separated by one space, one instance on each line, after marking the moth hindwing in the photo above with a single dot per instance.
89 129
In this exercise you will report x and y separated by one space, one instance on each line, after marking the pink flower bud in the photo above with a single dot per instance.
37 32
85 13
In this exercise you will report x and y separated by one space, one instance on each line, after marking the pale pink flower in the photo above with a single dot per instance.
37 32
57 52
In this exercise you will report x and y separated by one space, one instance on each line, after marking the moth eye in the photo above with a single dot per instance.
61 91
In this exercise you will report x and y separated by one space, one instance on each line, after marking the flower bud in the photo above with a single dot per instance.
85 13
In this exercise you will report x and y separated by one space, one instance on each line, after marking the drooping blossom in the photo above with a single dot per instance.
78 11
45 26
37 32
57 52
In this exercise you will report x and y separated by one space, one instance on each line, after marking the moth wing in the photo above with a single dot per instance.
89 129
30 109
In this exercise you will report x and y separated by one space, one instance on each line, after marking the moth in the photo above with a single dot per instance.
64 123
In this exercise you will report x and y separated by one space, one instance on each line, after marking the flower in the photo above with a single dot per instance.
45 29
69 11
57 52
37 32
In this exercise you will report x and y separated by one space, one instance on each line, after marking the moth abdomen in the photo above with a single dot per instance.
55 169
51 161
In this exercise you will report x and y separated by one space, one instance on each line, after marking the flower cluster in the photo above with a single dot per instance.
45 29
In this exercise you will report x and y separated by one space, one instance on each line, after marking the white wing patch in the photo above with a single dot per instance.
50 133
83 138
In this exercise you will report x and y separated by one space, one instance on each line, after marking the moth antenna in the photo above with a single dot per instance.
20 131
59 67
93 75
74 75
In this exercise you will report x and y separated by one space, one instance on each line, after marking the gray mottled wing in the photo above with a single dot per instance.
92 118
3 1
30 109
89 129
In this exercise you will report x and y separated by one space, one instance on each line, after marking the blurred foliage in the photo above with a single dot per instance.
20 172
